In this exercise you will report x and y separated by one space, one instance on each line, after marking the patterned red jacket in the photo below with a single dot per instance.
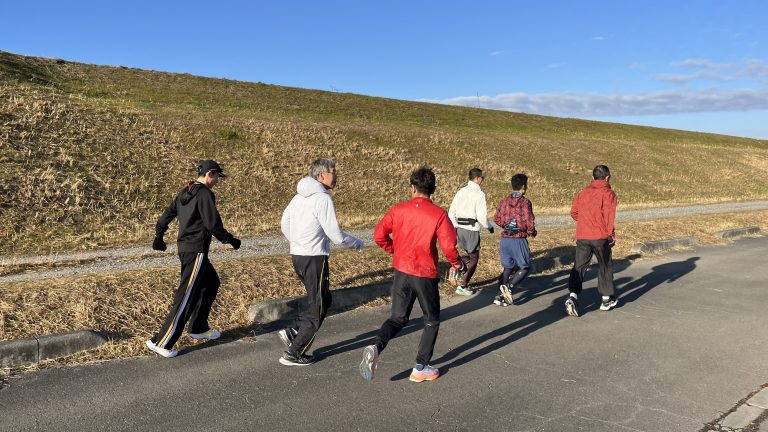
519 208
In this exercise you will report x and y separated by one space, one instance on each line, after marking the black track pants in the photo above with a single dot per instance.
313 273
405 290
198 286
584 251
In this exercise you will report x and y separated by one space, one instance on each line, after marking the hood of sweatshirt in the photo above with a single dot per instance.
308 186
189 192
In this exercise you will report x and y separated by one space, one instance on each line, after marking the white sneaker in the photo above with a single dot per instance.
210 335
161 351
506 293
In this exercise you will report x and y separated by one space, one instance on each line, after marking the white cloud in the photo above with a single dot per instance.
707 70
700 63
582 104
495 53
599 38
700 75
756 69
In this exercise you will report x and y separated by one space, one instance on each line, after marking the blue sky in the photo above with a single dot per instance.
695 65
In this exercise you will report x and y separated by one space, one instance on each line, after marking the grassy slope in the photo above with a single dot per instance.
90 155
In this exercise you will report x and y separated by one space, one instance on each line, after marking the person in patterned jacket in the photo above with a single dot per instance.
515 216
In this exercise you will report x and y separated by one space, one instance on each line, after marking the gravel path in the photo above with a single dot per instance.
141 257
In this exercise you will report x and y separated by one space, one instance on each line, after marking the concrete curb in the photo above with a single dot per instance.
737 232
345 299
745 415
287 308
23 352
661 245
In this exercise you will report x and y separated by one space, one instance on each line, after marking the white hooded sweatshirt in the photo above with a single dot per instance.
309 222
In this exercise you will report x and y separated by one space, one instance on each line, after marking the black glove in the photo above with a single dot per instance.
490 230
159 244
235 243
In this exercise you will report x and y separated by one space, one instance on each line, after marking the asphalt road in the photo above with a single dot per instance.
685 344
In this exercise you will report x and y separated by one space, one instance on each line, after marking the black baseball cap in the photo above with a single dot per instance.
209 165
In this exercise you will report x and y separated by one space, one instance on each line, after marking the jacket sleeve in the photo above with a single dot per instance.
575 207
452 211
609 211
326 215
206 205
381 234
497 215
446 236
285 221
530 220
481 212
165 219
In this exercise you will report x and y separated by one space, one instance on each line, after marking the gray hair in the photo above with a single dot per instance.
322 165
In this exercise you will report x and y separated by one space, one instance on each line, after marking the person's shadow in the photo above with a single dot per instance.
663 273
630 291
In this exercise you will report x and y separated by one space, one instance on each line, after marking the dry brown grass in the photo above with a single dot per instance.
129 306
91 155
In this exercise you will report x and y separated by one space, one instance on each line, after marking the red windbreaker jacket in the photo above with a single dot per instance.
594 210
409 230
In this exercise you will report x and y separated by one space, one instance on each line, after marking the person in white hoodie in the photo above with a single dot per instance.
309 223
468 212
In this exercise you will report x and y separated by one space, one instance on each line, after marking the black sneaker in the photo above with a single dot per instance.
609 303
572 307
287 335
289 359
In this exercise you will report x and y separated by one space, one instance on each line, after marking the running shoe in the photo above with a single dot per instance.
499 301
429 373
506 293
609 303
370 359
289 359
167 353
210 335
464 291
572 307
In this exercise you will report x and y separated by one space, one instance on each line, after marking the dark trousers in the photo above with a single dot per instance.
471 267
313 273
198 286
584 251
405 290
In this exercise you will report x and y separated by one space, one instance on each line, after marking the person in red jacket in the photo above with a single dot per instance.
594 210
408 231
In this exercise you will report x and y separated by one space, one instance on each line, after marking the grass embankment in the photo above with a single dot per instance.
130 306
91 154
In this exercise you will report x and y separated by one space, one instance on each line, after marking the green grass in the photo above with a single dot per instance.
92 154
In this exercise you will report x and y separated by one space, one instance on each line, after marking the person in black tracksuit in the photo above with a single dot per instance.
199 221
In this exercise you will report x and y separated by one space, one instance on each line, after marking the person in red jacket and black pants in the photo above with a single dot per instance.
594 210
408 232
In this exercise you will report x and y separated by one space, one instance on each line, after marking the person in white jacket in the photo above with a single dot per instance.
309 223
469 213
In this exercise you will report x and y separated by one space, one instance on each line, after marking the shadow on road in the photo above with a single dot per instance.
628 290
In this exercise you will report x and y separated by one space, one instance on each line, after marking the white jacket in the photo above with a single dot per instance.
309 222
469 202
